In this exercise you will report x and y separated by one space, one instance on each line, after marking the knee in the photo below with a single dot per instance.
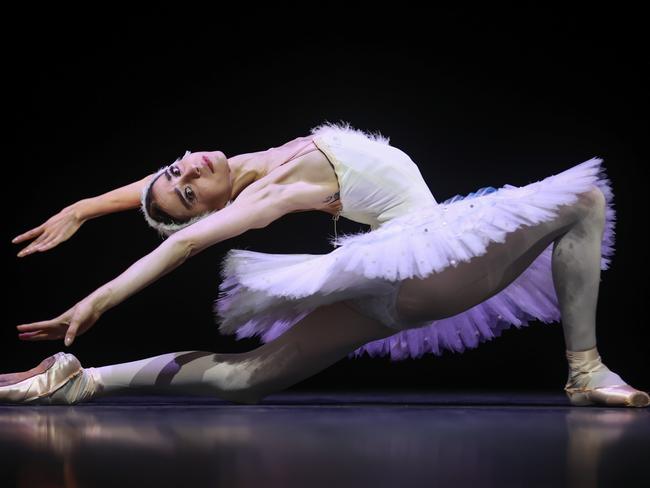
237 387
594 202
255 387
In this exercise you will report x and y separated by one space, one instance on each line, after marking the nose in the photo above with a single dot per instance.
194 171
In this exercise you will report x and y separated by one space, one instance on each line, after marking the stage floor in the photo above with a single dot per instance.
333 439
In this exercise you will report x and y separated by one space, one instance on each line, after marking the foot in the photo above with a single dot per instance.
58 379
592 383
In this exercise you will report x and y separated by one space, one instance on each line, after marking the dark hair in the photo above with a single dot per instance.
155 211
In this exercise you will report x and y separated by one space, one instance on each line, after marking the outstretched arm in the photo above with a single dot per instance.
64 224
250 211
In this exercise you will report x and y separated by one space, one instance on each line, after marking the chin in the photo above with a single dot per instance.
219 156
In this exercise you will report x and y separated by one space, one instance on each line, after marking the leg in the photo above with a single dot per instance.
576 232
319 340
331 332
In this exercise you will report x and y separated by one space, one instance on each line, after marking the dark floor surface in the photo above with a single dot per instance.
328 439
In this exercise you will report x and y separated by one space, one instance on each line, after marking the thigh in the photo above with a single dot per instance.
320 339
468 283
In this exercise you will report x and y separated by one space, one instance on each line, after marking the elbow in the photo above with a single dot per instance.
184 248
190 249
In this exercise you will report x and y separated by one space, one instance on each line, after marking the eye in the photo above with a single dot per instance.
175 171
189 194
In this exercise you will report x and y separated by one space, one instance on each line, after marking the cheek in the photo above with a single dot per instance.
171 206
213 191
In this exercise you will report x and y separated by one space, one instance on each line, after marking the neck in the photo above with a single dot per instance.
244 170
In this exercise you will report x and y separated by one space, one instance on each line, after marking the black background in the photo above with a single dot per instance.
475 97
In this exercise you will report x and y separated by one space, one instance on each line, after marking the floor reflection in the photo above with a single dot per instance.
316 439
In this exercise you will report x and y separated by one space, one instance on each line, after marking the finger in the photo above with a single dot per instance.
34 245
49 244
27 235
71 333
39 337
48 333
37 328
42 238
45 324
28 335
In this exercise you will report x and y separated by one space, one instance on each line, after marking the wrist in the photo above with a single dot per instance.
102 299
80 209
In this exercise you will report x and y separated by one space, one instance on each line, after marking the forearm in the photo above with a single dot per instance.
166 257
123 198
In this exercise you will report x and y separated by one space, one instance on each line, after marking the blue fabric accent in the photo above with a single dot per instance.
480 192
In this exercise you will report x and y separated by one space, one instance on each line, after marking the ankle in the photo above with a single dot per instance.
82 387
578 358
587 371
96 379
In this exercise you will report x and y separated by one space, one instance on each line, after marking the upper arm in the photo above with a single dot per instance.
252 211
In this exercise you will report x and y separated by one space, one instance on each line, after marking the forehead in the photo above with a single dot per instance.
166 197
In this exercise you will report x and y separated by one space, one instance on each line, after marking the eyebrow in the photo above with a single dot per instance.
180 195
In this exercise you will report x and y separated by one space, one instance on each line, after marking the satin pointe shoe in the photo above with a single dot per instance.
590 382
58 379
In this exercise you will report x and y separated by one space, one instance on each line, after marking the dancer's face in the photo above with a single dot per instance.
197 183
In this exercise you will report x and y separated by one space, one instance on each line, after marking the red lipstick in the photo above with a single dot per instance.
208 163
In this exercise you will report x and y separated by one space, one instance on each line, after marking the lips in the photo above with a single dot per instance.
208 163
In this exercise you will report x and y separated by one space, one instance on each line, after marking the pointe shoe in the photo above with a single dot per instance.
58 379
592 383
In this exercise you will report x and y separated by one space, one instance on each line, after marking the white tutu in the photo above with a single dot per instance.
264 294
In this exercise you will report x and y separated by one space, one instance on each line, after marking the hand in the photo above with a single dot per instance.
75 321
55 230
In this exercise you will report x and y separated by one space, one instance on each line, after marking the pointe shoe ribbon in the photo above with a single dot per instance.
56 380
590 382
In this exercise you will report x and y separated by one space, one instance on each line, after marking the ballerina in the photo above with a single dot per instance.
425 278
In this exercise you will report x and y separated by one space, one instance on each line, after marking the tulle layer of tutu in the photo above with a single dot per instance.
264 294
